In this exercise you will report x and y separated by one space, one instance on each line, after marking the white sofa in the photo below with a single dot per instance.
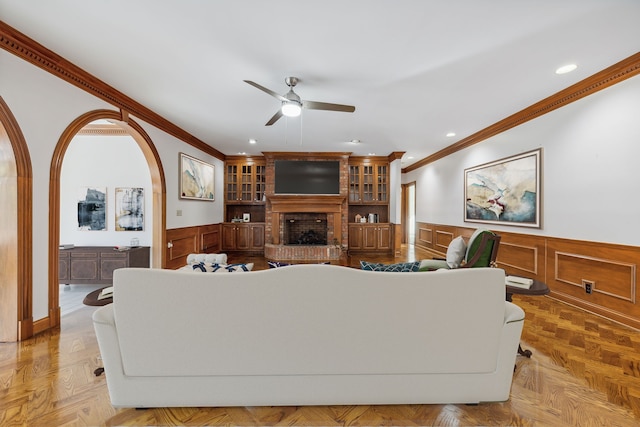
307 335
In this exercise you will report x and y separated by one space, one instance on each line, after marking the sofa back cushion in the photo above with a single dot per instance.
308 319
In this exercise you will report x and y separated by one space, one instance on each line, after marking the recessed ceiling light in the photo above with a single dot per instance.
450 134
355 141
252 141
410 158
566 69
242 153
371 154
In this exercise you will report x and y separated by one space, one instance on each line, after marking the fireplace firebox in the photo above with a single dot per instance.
305 228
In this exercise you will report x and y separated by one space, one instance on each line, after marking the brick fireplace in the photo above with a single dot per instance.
332 210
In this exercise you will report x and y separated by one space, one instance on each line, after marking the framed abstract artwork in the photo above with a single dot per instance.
505 191
129 209
92 209
196 179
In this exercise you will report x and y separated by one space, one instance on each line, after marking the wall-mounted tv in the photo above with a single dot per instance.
307 177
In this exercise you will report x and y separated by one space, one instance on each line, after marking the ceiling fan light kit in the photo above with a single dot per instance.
291 108
292 105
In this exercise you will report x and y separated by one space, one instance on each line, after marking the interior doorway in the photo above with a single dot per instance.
157 195
92 197
409 213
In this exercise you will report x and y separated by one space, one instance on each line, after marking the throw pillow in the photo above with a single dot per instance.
402 267
207 258
276 264
455 252
221 268
232 268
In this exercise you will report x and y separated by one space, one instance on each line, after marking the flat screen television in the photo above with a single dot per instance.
307 177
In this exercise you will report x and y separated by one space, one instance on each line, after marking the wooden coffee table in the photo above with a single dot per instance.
92 298
537 288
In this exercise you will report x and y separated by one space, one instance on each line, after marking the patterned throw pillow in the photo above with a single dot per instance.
402 267
276 264
221 268
237 267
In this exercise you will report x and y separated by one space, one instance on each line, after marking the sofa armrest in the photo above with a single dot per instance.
513 313
104 315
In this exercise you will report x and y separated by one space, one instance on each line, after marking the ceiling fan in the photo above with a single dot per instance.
292 105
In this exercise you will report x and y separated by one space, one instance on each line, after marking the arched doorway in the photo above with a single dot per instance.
16 321
158 195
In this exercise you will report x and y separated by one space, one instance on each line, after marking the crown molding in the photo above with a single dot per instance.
15 42
610 76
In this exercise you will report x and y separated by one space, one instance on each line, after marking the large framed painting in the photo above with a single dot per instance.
505 191
129 209
196 179
92 209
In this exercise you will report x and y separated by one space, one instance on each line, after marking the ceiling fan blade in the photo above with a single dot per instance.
275 118
313 105
264 89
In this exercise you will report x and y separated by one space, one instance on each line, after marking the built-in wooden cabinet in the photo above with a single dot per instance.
245 185
369 194
91 265
370 237
238 236
369 181
245 180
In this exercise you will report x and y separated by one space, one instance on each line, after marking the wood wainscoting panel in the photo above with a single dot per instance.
189 240
180 243
610 271
443 239
522 255
611 278
209 238
424 236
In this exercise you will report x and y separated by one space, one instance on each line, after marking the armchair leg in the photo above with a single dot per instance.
525 353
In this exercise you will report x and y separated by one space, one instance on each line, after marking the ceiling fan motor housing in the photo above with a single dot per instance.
291 81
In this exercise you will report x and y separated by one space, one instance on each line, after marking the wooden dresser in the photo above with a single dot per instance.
94 265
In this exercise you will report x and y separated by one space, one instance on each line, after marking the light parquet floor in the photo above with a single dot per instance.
584 372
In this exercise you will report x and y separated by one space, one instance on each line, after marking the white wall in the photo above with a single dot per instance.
194 212
103 162
591 152
44 106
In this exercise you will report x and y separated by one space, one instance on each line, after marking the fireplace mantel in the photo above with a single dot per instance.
285 203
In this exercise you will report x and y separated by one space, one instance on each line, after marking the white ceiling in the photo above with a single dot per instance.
414 69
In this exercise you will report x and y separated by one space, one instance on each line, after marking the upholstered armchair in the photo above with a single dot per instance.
481 251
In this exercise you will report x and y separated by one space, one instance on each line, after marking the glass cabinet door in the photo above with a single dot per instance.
368 188
261 183
382 190
354 183
246 178
232 182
